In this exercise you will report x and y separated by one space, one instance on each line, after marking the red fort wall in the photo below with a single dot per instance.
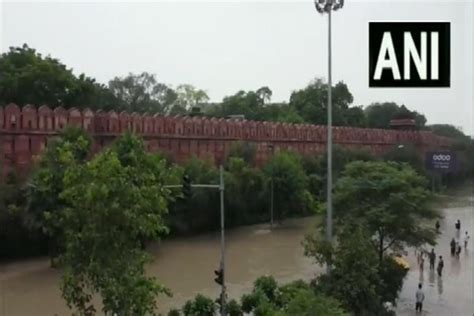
24 132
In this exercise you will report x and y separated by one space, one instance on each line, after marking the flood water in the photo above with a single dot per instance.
453 292
184 265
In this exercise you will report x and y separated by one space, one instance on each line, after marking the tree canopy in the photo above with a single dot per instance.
143 93
379 115
391 199
31 78
112 203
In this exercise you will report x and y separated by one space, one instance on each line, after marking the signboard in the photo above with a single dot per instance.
442 161
409 54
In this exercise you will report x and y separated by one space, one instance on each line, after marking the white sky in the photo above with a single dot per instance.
226 46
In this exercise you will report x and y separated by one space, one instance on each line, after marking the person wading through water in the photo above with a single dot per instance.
432 256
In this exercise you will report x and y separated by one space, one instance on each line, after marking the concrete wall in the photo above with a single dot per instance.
24 132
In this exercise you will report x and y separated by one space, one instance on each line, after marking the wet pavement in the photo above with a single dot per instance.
452 294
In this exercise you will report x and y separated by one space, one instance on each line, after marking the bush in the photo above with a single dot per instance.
406 153
200 306
244 150
246 198
233 308
201 211
290 183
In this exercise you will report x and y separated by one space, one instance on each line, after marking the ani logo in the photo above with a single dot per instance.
409 54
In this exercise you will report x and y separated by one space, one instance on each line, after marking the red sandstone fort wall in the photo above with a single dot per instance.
24 132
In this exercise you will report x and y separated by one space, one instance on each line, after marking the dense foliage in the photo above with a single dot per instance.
391 199
111 206
268 299
380 208
31 78
358 280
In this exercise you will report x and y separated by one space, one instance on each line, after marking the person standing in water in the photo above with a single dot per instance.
440 265
453 247
432 256
466 239
420 297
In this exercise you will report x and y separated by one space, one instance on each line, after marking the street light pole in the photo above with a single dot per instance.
221 191
221 272
329 142
327 6
271 147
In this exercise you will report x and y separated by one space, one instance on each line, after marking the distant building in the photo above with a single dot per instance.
405 124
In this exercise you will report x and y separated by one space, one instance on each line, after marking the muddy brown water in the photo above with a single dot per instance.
185 265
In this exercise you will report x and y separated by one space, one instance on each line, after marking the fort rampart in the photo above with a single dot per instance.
24 132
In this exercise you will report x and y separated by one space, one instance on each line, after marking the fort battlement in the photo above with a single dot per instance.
24 132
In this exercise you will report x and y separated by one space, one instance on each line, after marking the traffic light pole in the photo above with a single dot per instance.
221 189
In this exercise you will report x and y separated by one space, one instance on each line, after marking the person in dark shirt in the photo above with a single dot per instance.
432 256
458 225
453 246
440 265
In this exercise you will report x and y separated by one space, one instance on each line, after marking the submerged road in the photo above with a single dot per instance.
452 294
186 265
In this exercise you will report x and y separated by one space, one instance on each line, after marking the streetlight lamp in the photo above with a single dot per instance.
327 6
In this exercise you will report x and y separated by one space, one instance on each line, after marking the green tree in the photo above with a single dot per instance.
247 199
306 303
143 93
406 153
200 306
296 298
244 150
379 115
391 199
354 278
110 207
290 184
199 212
189 96
448 130
264 94
17 239
316 167
233 308
311 104
43 205
31 78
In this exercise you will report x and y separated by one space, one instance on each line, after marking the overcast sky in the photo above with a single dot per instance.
226 46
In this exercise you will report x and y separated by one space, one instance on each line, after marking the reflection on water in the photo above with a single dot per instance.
422 278
440 285
431 278
184 265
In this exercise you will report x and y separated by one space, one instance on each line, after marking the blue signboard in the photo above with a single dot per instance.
442 161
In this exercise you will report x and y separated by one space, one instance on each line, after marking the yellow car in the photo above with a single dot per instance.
402 262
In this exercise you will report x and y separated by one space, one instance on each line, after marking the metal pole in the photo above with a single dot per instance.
329 143
271 201
221 189
432 182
